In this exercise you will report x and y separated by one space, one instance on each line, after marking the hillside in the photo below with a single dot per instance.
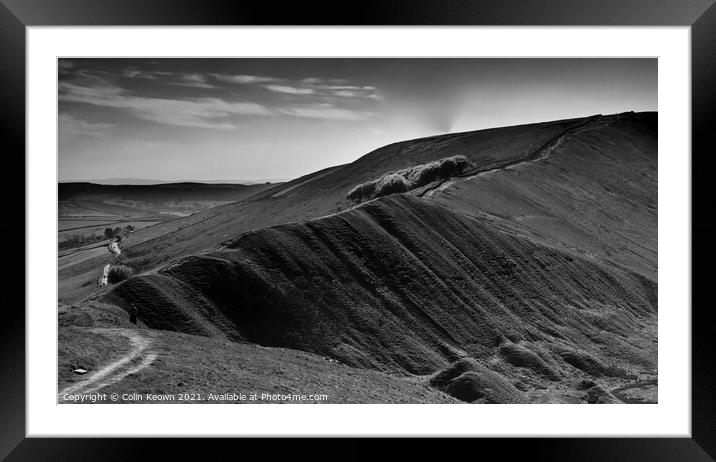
228 368
592 192
529 277
404 286
323 192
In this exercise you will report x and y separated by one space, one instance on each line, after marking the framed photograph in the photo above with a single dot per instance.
429 220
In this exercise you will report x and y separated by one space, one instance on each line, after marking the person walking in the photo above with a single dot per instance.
133 314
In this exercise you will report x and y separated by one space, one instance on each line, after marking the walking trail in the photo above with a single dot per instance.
137 359
542 153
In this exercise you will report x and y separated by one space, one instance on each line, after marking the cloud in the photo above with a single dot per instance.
245 79
65 65
193 80
325 111
74 92
71 128
211 112
134 73
355 93
338 88
184 79
290 90
198 112
311 80
309 86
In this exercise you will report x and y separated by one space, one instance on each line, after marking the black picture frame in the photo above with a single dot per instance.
699 15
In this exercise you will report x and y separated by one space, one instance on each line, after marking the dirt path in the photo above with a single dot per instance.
137 359
541 153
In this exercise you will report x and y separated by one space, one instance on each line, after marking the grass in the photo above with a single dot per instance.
190 364
80 348
409 178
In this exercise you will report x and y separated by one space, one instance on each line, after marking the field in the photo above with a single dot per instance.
85 210
89 227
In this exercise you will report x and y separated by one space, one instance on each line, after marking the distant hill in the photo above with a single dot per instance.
119 181
164 191
77 199
144 181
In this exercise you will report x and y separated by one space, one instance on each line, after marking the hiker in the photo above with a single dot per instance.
133 314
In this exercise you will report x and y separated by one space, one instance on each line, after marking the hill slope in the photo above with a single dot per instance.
593 192
405 286
531 277
322 193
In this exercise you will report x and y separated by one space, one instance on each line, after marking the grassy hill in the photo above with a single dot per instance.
322 193
594 194
405 286
528 277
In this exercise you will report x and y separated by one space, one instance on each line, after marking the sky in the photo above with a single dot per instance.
277 118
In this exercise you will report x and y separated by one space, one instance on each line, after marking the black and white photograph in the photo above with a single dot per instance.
357 230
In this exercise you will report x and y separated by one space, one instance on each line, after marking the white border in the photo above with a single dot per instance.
671 417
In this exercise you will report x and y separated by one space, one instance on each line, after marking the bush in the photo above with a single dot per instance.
409 178
443 168
362 191
391 184
452 165
118 273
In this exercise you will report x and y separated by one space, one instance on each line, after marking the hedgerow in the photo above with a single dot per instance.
409 178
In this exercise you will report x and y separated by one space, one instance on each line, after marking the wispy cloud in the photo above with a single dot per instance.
192 80
172 78
290 90
305 98
65 65
198 112
134 73
339 88
326 88
72 128
325 111
245 79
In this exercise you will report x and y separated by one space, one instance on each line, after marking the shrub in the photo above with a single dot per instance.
118 273
362 191
409 178
391 183
452 165
443 168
